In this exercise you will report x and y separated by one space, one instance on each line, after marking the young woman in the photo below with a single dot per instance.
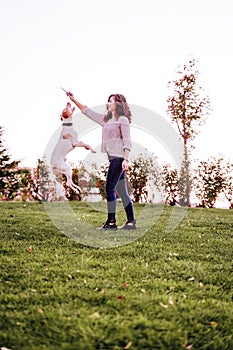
116 142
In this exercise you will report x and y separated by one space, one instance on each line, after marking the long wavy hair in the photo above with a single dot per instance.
122 108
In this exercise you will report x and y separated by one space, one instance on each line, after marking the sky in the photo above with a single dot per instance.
98 47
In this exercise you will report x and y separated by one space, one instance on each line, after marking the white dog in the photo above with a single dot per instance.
68 140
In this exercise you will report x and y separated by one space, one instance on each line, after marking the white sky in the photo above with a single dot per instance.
98 47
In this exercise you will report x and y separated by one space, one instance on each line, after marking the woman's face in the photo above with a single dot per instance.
111 105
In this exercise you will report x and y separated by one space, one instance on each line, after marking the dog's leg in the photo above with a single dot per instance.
73 186
67 171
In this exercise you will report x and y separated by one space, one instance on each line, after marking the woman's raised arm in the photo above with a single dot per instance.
78 104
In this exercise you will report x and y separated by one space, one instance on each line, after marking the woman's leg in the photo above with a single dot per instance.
126 200
113 176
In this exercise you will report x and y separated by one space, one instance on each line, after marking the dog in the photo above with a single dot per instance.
67 141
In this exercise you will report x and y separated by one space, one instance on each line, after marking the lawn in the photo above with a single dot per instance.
160 290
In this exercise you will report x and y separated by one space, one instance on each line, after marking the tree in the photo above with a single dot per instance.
228 185
170 183
101 179
27 186
141 169
210 181
188 108
45 186
9 180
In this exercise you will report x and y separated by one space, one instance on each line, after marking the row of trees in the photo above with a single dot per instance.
147 181
208 180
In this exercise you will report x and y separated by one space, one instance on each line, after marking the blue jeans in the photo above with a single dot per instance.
116 181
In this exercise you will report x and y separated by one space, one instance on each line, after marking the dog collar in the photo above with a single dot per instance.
67 124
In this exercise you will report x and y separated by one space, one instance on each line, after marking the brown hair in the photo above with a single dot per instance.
122 108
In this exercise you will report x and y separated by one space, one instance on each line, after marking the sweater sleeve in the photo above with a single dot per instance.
125 132
96 117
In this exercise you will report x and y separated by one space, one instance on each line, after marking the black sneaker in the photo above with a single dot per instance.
108 225
129 225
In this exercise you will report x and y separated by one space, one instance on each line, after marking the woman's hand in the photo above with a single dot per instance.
78 104
125 164
70 95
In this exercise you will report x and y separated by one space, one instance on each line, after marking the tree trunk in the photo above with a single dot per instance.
185 180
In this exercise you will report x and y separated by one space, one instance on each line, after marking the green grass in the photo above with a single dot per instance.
66 296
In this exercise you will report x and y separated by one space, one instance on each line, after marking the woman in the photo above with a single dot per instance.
116 142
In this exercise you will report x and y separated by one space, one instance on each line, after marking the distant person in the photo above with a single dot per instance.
116 142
